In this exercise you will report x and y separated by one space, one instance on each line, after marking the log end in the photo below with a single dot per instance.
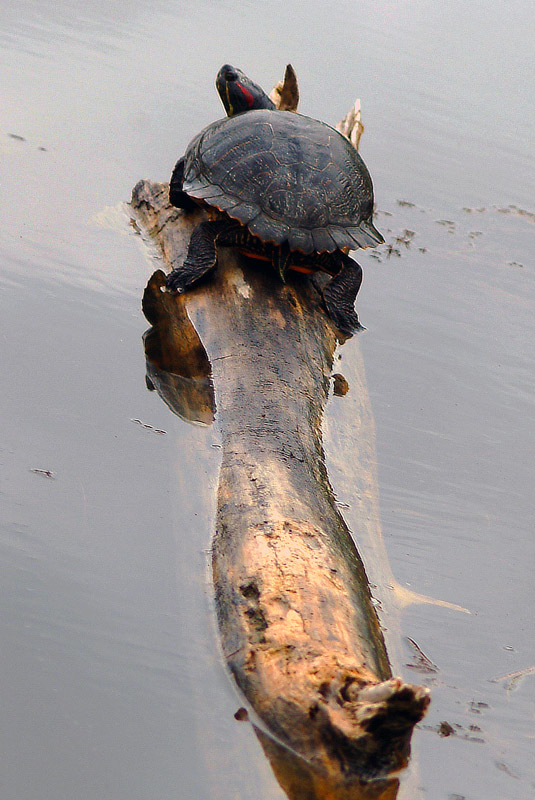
346 767
347 737
368 734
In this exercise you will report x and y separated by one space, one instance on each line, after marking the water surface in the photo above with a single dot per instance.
111 680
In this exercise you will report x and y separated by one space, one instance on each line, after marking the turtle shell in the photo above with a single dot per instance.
287 177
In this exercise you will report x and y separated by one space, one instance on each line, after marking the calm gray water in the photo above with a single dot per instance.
110 677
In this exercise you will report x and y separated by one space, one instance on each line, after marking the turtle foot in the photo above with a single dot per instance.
201 257
347 322
340 294
175 281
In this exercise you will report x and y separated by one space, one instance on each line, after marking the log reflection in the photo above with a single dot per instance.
300 781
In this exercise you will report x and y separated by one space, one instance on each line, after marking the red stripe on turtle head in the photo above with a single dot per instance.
247 94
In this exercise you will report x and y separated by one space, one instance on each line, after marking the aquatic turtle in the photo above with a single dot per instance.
284 187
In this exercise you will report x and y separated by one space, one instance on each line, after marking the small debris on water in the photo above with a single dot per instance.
340 385
445 729
46 473
17 137
147 427
512 210
476 707
512 679
241 715
446 223
420 661
405 204
515 264
405 238
504 768
392 251
517 212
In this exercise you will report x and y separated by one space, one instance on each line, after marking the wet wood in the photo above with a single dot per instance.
298 626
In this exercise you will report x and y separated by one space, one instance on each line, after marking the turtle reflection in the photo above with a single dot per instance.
177 365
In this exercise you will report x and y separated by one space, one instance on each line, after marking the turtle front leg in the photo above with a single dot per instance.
340 293
201 257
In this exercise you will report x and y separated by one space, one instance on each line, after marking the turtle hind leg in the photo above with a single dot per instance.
340 293
201 257
177 197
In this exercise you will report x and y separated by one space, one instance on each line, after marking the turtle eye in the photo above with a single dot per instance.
249 99
228 73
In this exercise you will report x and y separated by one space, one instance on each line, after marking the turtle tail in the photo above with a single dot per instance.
366 234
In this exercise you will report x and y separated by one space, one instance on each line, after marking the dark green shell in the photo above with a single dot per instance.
287 177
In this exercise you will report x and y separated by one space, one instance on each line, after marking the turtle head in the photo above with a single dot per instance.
238 92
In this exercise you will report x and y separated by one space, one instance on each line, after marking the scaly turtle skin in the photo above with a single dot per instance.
286 188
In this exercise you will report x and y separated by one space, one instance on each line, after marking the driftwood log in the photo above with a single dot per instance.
298 627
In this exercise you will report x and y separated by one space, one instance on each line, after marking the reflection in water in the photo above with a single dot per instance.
177 364
301 781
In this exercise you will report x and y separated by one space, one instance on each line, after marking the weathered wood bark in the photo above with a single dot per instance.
298 628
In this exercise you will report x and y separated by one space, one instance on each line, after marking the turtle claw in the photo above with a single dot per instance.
174 283
347 322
